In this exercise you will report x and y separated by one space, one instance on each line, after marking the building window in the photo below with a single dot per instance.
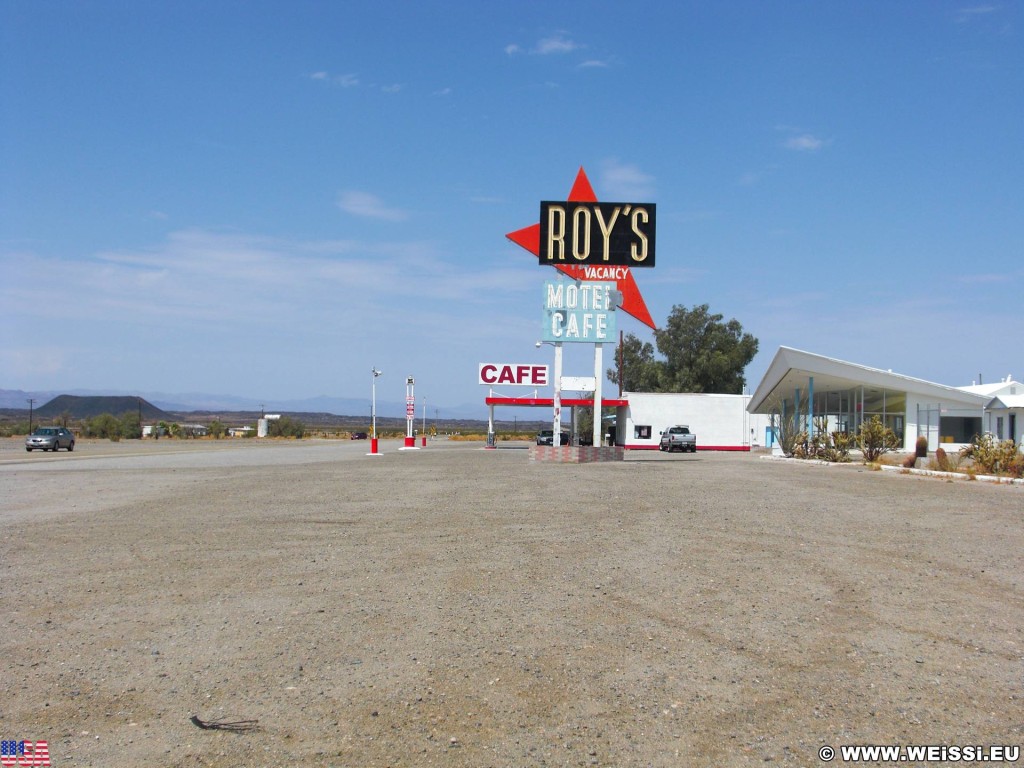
641 432
999 427
959 429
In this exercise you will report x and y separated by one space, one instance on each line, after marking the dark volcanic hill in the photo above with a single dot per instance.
77 407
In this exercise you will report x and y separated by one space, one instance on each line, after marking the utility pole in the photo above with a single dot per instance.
31 402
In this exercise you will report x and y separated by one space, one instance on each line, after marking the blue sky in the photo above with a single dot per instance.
267 199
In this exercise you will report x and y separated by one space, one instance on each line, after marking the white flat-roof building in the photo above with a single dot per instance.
720 422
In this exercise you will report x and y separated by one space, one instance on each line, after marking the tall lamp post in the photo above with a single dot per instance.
556 431
373 412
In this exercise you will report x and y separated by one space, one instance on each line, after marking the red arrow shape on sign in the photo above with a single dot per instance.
529 239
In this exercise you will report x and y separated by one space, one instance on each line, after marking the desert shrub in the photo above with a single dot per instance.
994 456
910 461
842 444
14 428
801 447
105 425
286 426
788 433
875 439
825 445
921 447
131 427
1015 468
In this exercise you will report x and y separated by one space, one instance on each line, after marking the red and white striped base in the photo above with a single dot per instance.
573 454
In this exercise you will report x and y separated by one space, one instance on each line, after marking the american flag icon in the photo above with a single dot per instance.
24 753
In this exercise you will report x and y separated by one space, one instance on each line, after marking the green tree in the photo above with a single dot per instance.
104 425
640 370
218 429
131 427
286 426
701 354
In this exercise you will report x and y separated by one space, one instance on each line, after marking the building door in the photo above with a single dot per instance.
1013 426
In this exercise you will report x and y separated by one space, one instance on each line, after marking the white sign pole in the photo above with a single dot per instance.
556 437
598 363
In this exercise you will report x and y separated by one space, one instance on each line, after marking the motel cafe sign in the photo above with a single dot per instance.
579 311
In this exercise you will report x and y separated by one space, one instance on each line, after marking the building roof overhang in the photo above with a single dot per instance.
1006 402
791 369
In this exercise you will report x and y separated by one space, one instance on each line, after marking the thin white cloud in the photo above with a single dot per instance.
970 13
593 64
805 143
623 181
368 206
193 278
347 80
992 277
555 44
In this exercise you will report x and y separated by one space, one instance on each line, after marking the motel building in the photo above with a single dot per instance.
848 394
845 394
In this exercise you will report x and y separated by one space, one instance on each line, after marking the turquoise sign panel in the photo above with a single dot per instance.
579 311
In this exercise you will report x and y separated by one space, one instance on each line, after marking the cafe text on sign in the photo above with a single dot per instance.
583 311
608 234
520 375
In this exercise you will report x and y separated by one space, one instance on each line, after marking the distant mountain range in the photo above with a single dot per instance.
195 401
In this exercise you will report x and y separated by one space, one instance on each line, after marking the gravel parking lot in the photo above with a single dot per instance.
462 607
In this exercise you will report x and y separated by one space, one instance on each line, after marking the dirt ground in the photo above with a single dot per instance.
457 606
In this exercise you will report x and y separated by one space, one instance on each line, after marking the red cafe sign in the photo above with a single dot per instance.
520 375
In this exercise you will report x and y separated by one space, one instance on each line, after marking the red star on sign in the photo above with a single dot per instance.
529 238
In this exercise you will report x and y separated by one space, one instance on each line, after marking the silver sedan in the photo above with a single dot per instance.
50 439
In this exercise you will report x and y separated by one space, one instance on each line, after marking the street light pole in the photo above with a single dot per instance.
373 410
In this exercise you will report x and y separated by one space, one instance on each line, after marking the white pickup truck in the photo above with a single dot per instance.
678 438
